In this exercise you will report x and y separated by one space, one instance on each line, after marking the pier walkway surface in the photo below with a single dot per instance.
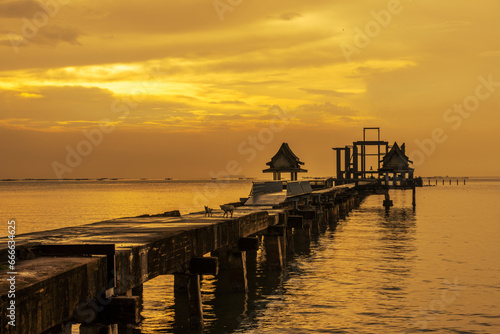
93 274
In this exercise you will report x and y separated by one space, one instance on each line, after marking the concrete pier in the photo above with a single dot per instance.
94 274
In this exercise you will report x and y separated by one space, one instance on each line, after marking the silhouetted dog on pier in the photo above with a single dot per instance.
208 211
227 209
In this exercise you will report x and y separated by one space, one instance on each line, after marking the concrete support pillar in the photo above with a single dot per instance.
274 245
181 308
127 329
335 213
98 329
195 306
414 200
387 201
357 201
60 329
181 284
315 226
187 288
232 275
332 217
139 292
290 249
323 222
302 238
342 209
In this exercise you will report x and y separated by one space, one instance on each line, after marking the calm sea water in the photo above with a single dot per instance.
436 269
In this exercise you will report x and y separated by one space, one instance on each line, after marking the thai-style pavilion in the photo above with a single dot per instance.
396 162
285 161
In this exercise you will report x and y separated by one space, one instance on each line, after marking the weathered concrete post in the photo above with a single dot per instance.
290 248
232 275
61 329
315 226
187 289
357 201
414 201
195 306
98 329
387 201
336 212
274 245
181 283
332 215
181 308
188 285
322 218
301 234
342 208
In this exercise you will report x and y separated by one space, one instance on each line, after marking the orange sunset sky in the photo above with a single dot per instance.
193 88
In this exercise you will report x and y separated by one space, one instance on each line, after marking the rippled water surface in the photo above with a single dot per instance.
436 269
